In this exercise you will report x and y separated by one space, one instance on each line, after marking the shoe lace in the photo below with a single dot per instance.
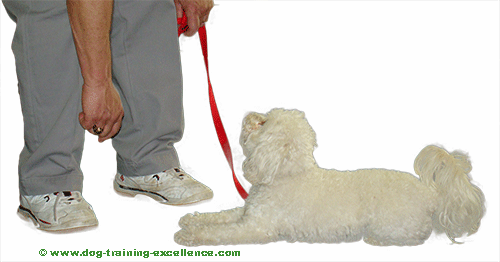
156 177
153 178
180 173
66 198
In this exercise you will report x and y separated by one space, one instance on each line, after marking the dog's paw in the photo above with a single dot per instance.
185 237
189 220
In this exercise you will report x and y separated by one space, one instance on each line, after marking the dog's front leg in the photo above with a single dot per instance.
197 219
241 232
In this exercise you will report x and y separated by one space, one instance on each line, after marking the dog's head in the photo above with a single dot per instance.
277 144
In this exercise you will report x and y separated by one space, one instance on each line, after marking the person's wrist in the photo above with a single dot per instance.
97 82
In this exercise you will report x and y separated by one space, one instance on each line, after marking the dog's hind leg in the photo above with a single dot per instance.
406 233
241 232
226 216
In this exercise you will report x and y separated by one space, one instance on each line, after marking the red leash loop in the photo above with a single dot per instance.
182 25
219 127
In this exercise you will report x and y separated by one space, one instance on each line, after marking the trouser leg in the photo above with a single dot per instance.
50 89
147 73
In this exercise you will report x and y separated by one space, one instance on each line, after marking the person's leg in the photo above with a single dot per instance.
50 89
147 72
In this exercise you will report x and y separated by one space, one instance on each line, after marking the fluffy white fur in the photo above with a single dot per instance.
293 199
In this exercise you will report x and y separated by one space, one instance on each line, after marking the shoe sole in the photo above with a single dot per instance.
43 225
135 191
159 198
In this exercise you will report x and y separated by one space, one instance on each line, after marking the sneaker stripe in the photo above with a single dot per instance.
45 222
140 190
32 215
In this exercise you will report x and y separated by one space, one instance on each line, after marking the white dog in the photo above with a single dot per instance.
293 199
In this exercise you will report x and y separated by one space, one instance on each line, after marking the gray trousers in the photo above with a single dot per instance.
146 72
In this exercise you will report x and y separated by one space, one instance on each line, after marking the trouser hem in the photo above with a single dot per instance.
49 184
149 165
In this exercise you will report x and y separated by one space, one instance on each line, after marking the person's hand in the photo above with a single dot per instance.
197 12
102 108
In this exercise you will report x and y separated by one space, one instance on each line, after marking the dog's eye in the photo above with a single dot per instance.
259 125
256 126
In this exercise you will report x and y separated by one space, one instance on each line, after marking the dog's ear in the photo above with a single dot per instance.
266 159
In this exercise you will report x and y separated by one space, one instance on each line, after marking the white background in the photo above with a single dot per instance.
378 80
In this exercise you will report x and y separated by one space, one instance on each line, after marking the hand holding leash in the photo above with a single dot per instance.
195 12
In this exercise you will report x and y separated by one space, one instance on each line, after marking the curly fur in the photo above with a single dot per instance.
293 199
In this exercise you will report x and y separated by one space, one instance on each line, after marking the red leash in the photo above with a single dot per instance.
221 133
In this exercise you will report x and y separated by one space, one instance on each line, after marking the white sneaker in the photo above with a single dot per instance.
58 211
172 187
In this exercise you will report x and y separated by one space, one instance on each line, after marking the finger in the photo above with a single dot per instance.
84 122
117 132
120 125
112 132
105 132
99 125
110 129
90 124
193 21
108 124
81 119
96 130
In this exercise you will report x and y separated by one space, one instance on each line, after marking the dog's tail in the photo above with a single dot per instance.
461 204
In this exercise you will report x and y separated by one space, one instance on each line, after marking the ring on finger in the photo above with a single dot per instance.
97 130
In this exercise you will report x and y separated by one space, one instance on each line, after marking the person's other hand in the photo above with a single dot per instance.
197 12
102 108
